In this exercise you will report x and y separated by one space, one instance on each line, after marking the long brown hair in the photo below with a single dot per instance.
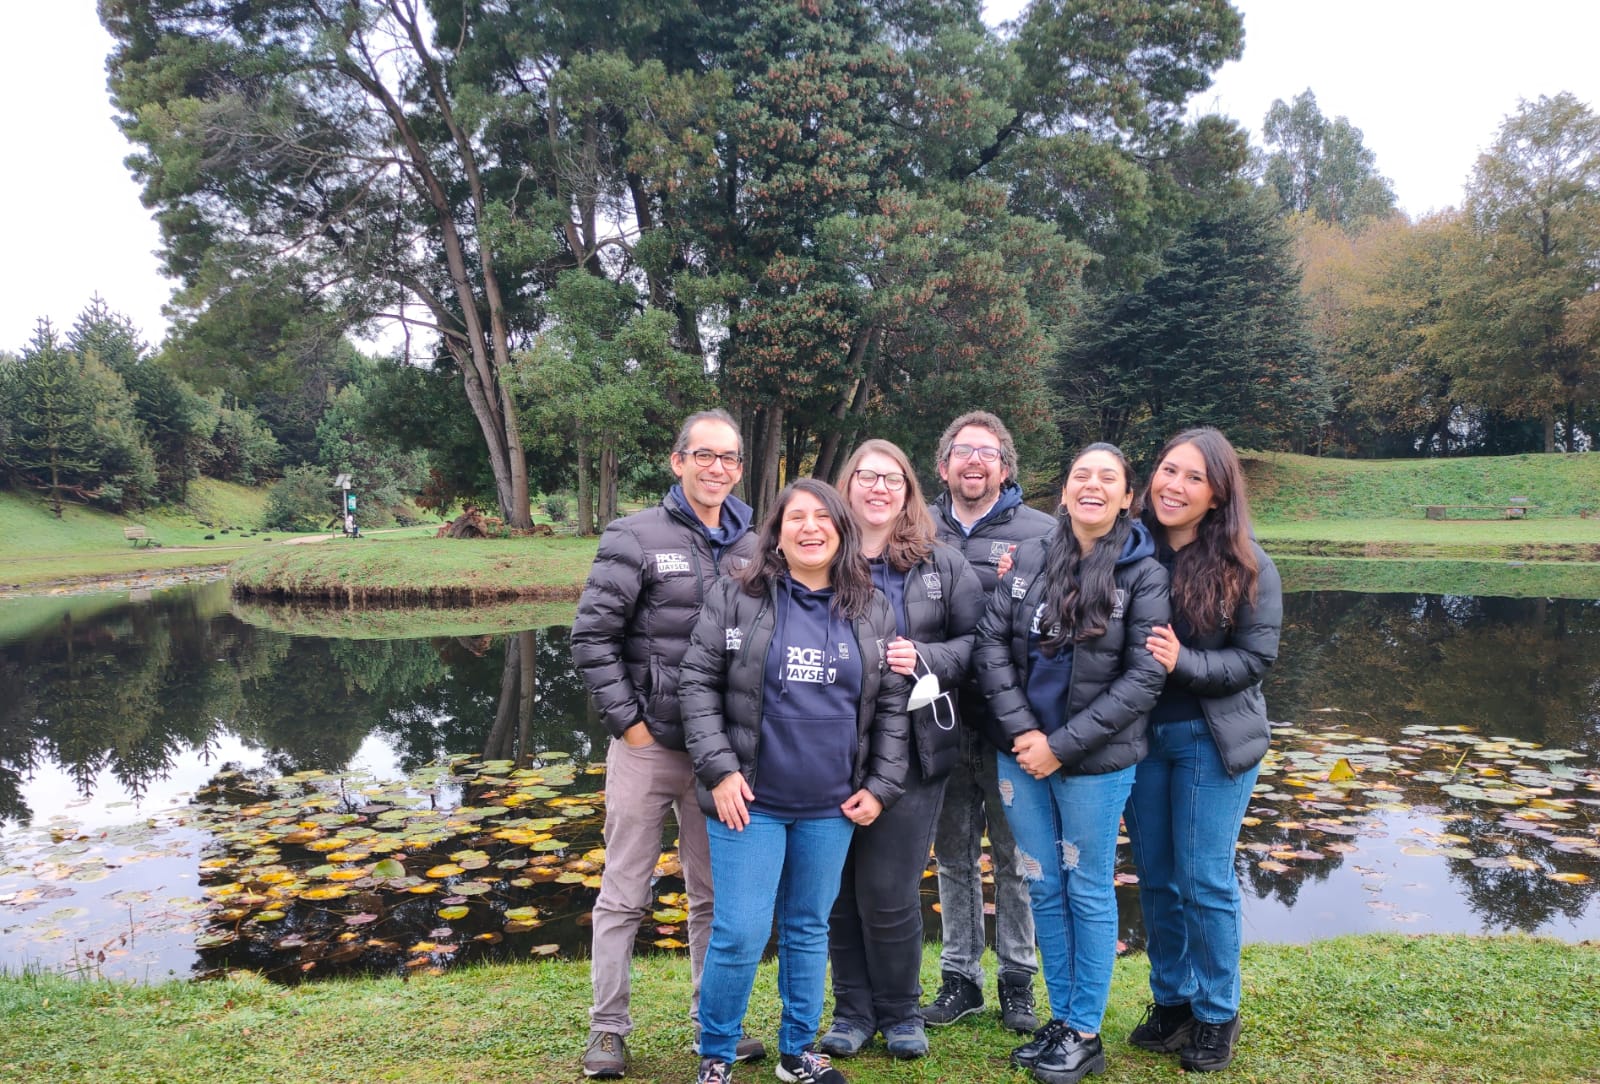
848 575
911 534
1081 588
1213 574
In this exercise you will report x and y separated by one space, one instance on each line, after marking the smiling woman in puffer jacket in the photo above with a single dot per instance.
797 731
1061 658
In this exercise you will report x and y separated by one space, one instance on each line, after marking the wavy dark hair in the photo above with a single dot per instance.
1217 571
849 576
1081 589
911 535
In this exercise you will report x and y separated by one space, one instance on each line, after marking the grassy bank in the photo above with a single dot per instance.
1360 1010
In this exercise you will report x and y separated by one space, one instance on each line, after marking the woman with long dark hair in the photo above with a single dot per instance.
796 728
1208 734
875 935
1061 656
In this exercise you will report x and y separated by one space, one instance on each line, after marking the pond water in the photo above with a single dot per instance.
184 789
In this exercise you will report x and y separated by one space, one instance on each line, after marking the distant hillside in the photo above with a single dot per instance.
1299 487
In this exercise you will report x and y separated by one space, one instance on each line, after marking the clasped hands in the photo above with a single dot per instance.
733 797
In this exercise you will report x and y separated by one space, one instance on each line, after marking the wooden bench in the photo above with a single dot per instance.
139 536
1513 508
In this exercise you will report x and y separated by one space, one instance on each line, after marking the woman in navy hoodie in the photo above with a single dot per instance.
796 727
1061 658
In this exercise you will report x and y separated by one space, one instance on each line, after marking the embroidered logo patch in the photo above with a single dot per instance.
1019 587
998 550
1117 606
844 651
1038 615
734 638
930 582
668 563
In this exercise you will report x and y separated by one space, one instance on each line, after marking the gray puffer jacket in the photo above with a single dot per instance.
720 687
1115 680
1223 669
644 592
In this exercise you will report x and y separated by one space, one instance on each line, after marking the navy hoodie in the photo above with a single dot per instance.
736 516
1049 679
810 692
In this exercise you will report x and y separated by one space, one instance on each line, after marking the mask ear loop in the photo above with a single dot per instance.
944 694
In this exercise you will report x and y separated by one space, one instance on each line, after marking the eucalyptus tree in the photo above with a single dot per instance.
1321 166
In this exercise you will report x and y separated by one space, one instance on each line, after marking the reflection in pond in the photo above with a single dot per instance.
1434 768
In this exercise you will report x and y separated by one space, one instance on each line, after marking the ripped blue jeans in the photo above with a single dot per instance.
1066 832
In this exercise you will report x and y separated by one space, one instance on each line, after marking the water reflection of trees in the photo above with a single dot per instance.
145 684
1522 668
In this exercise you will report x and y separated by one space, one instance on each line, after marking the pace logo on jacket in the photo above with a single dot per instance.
808 664
670 563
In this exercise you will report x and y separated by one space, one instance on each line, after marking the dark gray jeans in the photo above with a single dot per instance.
875 931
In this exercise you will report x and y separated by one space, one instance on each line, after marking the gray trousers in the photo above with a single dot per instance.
642 785
875 931
971 804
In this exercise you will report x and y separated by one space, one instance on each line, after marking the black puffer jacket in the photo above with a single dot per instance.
1115 679
943 605
644 592
1223 669
720 688
1012 523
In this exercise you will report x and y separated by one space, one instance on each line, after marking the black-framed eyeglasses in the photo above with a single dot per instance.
893 481
704 457
984 452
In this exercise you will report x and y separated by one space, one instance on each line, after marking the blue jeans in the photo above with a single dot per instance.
1066 832
1183 821
776 866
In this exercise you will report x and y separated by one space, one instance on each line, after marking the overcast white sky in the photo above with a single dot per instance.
1427 81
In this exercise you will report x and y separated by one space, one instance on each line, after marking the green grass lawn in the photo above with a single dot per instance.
1354 1010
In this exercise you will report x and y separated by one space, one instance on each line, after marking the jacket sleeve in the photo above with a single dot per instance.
998 679
1252 643
951 659
701 683
605 610
889 738
1134 691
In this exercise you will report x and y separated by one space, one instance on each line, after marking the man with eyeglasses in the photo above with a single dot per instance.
634 619
981 514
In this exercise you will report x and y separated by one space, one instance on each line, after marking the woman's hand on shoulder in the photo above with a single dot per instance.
732 796
862 808
1163 644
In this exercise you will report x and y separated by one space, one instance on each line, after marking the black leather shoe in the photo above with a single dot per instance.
1210 1046
1029 1052
1164 1029
1070 1059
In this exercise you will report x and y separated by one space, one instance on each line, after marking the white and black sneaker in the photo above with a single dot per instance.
808 1067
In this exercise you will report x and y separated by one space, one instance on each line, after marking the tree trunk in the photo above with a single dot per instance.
1549 430
767 447
585 493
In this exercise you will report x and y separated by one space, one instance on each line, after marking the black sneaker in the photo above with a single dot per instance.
808 1067
1210 1046
1016 1004
957 997
1031 1051
605 1057
1164 1029
748 1048
1070 1058
714 1071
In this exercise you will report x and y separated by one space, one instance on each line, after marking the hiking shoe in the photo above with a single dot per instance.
1031 1051
748 1048
1164 1029
808 1067
1016 1003
1070 1058
606 1056
906 1039
845 1039
714 1071
1210 1046
957 997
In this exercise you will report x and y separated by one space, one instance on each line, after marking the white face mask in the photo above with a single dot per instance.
925 692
